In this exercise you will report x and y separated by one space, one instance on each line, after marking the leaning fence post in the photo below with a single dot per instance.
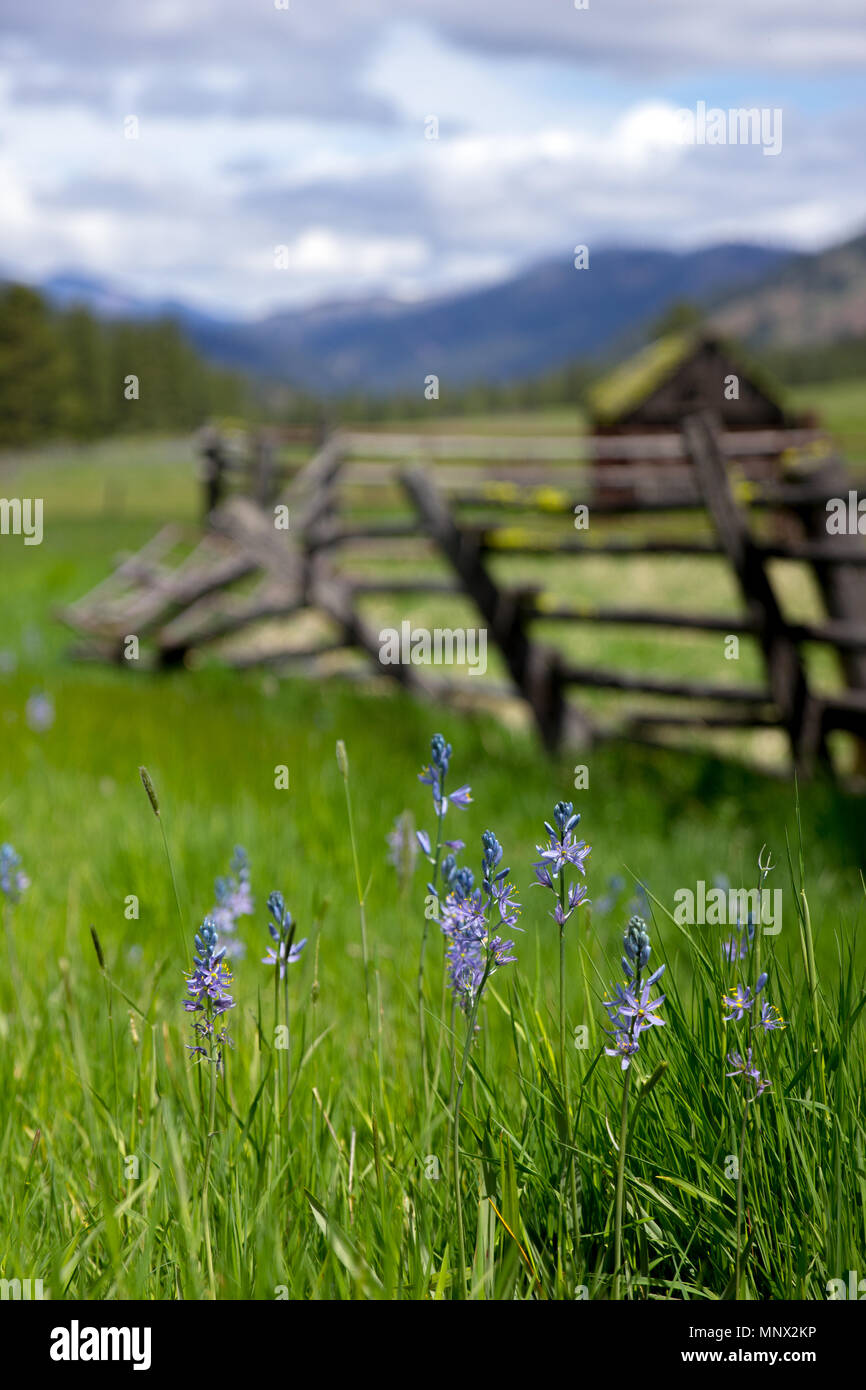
801 714
534 669
843 586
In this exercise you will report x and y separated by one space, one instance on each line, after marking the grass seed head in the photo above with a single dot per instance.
150 789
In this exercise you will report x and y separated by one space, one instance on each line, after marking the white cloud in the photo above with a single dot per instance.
305 128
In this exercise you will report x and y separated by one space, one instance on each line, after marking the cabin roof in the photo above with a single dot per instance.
635 380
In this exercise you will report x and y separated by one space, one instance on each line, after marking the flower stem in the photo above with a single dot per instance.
812 977
458 1196
620 1185
569 1157
422 1032
738 1263
563 1075
288 1054
180 918
206 1185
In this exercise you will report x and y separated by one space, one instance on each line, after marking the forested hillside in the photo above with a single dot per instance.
68 374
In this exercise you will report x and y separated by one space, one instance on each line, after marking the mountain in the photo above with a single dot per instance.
537 321
524 327
533 323
812 300
109 301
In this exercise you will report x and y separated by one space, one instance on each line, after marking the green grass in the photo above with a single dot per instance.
839 406
345 1202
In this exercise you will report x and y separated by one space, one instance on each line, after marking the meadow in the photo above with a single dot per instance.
326 1170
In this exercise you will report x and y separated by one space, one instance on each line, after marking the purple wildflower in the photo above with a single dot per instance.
208 989
770 1019
286 951
461 798
468 919
39 712
234 899
433 776
561 850
640 1011
630 1009
13 882
744 1066
737 947
738 1000
285 954
624 1047
740 1066
741 1000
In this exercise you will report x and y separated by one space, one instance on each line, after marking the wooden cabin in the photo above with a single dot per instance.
676 376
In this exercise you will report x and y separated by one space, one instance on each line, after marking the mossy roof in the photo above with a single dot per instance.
635 380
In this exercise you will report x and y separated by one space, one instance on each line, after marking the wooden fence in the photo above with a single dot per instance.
464 494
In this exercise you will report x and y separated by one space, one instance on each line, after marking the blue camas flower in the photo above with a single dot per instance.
561 850
285 951
234 899
470 921
636 944
631 1010
744 1066
208 995
433 776
741 1000
737 946
769 1019
738 1000
12 881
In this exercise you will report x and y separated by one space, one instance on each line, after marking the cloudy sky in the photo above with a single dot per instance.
307 128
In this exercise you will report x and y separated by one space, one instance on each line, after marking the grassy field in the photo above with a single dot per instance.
329 1171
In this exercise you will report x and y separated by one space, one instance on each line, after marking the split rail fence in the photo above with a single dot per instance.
464 494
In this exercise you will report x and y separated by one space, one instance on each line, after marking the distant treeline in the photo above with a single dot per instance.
841 361
67 374
566 387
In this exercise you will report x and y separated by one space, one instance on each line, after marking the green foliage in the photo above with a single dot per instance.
33 397
347 1204
63 374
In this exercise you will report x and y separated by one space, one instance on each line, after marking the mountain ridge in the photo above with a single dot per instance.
545 316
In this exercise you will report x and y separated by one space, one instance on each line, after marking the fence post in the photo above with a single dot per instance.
843 586
801 714
213 469
263 462
534 669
